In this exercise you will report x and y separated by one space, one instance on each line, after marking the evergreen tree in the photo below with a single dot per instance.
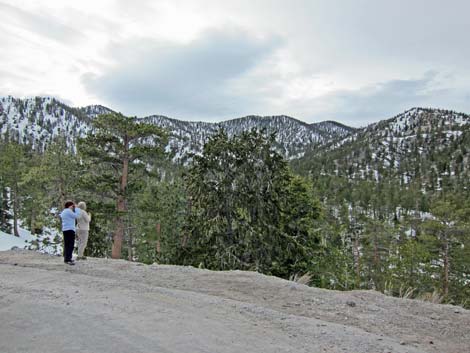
161 210
13 159
51 179
247 210
449 230
119 144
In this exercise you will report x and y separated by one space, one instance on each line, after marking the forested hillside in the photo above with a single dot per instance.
429 146
38 121
398 195
385 207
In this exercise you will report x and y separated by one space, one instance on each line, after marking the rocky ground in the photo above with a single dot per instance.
103 305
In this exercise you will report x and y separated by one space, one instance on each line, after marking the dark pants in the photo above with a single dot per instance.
69 243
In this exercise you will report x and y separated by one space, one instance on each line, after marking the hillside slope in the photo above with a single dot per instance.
293 137
116 306
427 146
36 121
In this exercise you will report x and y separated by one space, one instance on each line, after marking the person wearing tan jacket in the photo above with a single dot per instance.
83 227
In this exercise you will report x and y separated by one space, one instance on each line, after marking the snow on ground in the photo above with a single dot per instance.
8 241
43 243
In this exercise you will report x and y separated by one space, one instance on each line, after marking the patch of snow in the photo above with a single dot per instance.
9 241
50 243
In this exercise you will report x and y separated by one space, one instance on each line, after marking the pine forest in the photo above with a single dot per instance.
384 207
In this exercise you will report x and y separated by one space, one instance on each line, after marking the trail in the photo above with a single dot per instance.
103 305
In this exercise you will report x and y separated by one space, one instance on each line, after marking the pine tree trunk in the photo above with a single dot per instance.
129 252
121 205
158 244
445 283
61 194
4 215
357 260
33 221
376 252
117 238
15 210
185 236
376 261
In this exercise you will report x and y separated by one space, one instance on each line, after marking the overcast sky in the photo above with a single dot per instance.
353 61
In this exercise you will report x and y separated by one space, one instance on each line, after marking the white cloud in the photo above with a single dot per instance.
312 59
358 107
195 79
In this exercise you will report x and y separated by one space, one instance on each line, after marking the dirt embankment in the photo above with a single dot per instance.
116 306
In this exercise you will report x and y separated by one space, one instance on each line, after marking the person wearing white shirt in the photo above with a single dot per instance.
83 228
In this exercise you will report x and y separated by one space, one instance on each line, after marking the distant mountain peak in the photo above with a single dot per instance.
424 144
419 118
37 120
95 110
293 136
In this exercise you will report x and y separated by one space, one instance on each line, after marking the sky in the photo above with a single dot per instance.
353 61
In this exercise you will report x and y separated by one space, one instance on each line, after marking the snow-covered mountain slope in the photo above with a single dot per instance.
37 121
292 136
427 144
93 111
419 121
333 128
431 144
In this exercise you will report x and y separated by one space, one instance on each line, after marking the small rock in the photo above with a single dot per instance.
403 343
351 303
431 342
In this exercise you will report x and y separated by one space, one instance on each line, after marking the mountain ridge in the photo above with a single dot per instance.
36 121
429 146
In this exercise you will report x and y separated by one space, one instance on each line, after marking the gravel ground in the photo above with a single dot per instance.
103 305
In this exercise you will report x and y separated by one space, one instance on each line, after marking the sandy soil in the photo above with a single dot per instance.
103 305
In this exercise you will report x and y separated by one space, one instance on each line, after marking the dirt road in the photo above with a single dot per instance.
116 306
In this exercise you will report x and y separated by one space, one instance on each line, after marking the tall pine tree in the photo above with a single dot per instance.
119 144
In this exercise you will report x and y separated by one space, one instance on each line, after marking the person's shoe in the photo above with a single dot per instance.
71 262
81 257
